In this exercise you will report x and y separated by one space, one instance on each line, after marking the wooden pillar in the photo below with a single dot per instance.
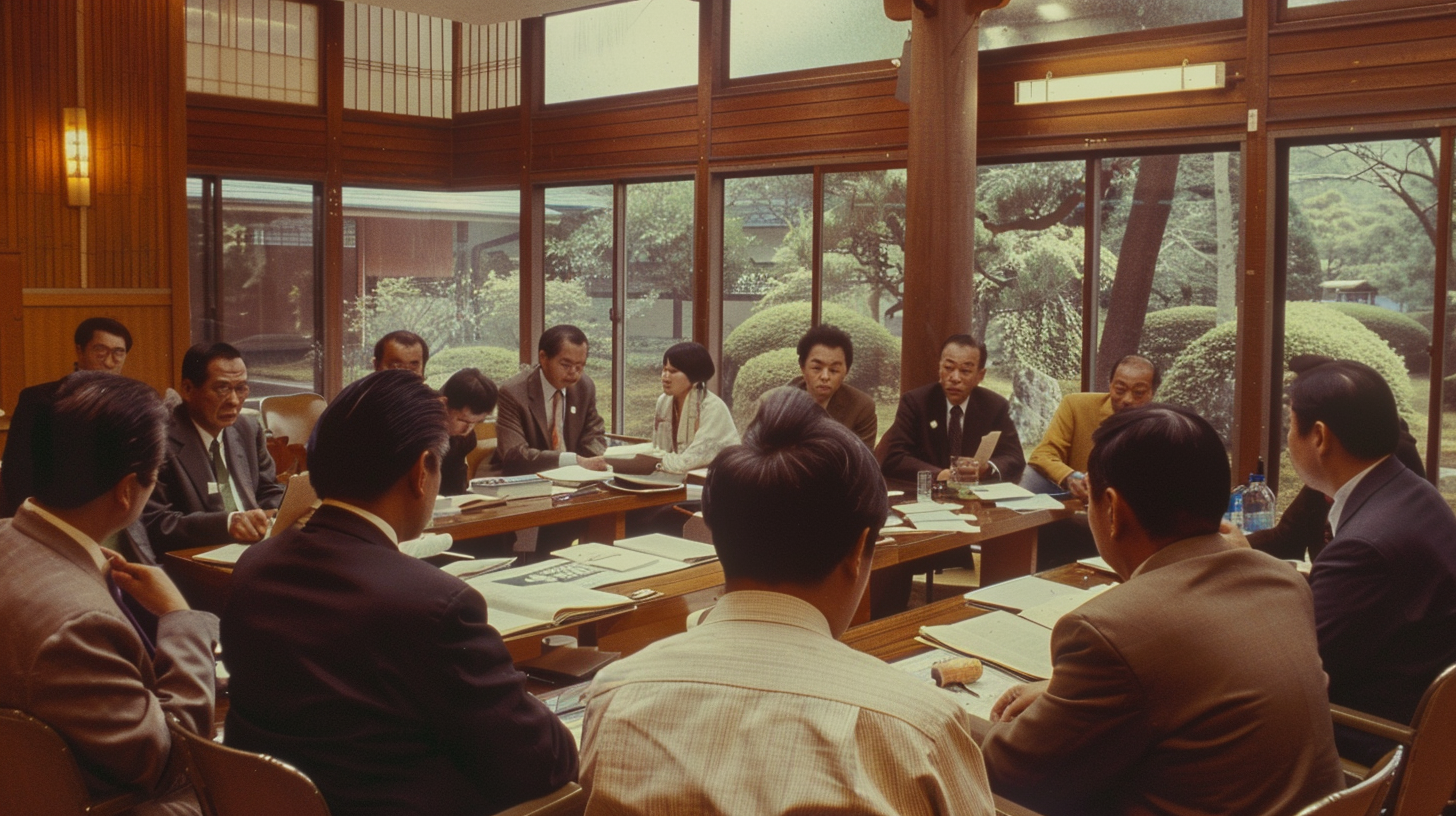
1260 329
940 201
331 209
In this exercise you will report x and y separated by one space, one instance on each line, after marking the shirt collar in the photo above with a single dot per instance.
1343 495
207 438
547 389
769 607
383 525
82 540
963 403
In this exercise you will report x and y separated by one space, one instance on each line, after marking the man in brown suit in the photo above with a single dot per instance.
547 416
1195 686
71 654
825 355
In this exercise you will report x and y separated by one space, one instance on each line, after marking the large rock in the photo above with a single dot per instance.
1034 399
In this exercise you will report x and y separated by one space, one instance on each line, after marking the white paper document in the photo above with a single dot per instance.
999 637
298 498
987 446
1049 612
666 546
426 545
977 697
606 557
574 475
1000 491
915 508
226 555
1037 501
478 566
1020 593
628 451
518 607
1097 562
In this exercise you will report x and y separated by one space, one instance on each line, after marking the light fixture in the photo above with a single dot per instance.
78 158
1201 77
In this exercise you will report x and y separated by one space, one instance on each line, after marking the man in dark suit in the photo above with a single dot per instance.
1385 585
375 673
548 414
101 345
945 419
218 483
1193 687
469 397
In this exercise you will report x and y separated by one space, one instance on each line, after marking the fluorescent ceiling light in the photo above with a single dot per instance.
1201 77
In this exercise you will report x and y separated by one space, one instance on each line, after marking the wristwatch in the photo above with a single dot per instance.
1076 474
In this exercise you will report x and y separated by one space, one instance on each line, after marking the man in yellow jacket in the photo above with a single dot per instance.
1062 455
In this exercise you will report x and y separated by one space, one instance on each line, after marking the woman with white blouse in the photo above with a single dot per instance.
692 423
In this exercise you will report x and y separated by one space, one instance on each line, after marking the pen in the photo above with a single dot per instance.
577 493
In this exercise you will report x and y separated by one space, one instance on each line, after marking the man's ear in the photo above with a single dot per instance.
126 491
419 475
1118 513
860 558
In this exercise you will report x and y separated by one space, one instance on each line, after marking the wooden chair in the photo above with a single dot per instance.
1364 798
39 776
292 415
484 447
230 782
1426 785
569 800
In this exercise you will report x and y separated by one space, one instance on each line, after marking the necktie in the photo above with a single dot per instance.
135 624
556 422
954 432
224 482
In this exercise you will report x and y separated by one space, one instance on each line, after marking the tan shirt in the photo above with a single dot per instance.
759 710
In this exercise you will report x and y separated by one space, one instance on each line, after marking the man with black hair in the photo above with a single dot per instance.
377 674
1193 687
760 709
825 356
102 344
1061 458
548 413
1385 585
218 483
469 397
72 654
402 350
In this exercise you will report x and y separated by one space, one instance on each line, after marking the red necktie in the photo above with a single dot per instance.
556 420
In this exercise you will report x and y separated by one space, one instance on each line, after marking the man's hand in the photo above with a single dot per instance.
943 476
1077 486
1234 535
248 526
592 462
1016 700
149 585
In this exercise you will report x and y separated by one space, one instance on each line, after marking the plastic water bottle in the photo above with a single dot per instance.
1235 514
1258 504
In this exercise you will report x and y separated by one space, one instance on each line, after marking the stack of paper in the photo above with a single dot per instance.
1028 504
934 517
478 566
513 608
226 555
1002 491
575 475
673 547
1021 593
1002 638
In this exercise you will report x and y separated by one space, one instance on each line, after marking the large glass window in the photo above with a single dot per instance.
579 249
443 265
769 36
1024 23
253 277
1360 275
643 45
259 49
659 298
397 61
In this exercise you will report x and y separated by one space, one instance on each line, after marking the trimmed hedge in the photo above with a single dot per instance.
762 373
876 351
1167 333
1203 375
1409 338
495 362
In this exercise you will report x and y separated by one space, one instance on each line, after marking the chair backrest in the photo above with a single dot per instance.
1429 780
569 800
230 782
485 443
1364 798
38 775
292 415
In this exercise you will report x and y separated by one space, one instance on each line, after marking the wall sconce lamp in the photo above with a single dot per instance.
78 158
1185 77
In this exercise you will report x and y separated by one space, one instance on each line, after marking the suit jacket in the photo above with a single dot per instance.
378 676
1193 688
1385 593
852 408
16 473
70 658
917 441
455 469
1068 440
523 427
181 513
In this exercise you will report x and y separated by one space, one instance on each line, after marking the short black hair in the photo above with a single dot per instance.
1353 401
470 389
1167 463
691 359
87 329
408 339
829 337
101 428
966 340
789 504
372 433
553 338
196 360
1137 358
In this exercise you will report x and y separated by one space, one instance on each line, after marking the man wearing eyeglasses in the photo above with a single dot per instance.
101 345
217 484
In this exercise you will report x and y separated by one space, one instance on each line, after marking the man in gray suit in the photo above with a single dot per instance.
71 654
218 483
547 416
1195 686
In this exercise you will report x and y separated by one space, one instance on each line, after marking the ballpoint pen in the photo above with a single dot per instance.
577 493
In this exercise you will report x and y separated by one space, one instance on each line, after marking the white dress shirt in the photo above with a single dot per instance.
759 710
232 484
705 428
548 391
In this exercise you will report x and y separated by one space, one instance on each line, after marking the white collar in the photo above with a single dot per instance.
547 389
207 438
84 541
1343 495
367 516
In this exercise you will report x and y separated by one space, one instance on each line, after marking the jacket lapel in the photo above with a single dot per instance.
935 420
192 458
240 467
536 400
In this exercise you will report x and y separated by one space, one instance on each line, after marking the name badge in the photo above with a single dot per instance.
212 488
573 409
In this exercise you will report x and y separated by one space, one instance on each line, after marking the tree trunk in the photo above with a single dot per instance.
1223 216
1132 283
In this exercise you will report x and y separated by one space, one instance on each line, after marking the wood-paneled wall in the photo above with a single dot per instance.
125 255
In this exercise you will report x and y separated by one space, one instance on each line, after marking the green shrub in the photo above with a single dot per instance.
876 351
768 370
1203 375
1408 337
495 362
1168 332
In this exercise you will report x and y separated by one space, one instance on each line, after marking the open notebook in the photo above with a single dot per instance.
1018 641
512 609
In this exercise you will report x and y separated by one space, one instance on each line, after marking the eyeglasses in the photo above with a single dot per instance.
102 353
222 390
